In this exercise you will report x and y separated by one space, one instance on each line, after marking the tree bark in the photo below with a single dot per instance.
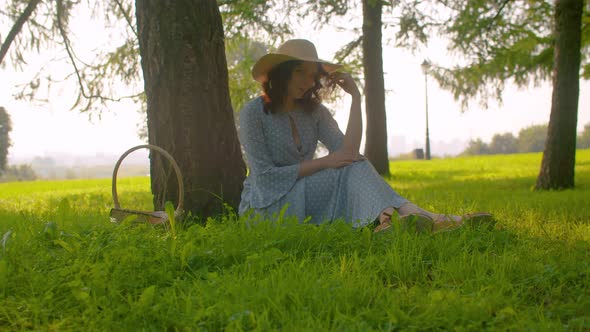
559 156
376 133
189 111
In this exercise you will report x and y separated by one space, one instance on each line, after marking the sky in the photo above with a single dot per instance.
46 129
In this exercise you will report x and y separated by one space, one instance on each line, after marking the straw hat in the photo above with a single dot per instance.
294 49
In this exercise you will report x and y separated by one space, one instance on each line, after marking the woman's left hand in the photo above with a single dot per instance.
346 82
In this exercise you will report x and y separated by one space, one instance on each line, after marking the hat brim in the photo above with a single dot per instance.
269 61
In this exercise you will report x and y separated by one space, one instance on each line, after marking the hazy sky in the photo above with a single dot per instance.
44 129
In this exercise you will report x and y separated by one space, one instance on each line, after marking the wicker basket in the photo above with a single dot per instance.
118 214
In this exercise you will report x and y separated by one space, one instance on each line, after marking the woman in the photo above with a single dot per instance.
279 132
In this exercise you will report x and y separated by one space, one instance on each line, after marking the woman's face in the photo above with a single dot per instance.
302 79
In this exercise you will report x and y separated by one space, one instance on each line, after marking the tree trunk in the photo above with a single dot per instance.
189 111
559 156
376 134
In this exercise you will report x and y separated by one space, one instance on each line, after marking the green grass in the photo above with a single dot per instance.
64 266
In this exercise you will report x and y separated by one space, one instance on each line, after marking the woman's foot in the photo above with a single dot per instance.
414 217
420 222
384 220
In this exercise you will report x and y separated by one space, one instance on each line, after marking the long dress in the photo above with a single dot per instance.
355 193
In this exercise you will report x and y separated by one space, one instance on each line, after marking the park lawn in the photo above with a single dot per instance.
64 266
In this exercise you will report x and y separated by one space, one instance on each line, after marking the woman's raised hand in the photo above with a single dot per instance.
346 82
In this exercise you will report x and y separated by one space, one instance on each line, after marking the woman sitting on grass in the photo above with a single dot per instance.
280 131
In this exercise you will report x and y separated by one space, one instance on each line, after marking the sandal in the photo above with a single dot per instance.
418 222
479 220
385 225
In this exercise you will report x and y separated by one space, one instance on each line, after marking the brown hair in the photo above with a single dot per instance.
275 88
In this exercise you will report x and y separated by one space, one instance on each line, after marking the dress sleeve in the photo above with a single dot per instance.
329 132
269 181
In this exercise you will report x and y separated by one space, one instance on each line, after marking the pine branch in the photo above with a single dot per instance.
66 41
126 16
72 57
17 27
348 49
499 12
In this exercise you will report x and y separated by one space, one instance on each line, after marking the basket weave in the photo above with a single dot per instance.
118 214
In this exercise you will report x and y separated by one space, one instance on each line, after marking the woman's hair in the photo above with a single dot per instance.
275 88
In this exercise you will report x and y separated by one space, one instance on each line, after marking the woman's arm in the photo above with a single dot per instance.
352 138
344 148
308 167
336 159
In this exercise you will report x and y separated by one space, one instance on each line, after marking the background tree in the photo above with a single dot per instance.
522 41
476 147
5 128
532 139
18 173
584 138
503 144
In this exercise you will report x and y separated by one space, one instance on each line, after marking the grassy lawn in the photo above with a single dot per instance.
64 266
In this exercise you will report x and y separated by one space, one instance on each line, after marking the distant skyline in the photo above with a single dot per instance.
46 129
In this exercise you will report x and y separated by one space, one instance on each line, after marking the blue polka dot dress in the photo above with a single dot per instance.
355 193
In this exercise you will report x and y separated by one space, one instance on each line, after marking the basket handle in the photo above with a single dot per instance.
170 159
